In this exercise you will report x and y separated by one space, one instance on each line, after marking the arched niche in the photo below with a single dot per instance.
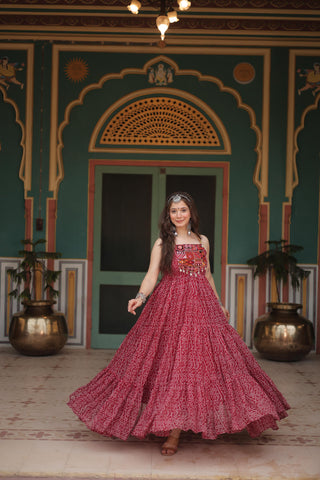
305 201
11 184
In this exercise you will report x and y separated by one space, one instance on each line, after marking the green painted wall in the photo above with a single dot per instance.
12 111
305 209
73 192
11 187
243 229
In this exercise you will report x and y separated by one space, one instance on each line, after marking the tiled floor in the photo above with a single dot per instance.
41 437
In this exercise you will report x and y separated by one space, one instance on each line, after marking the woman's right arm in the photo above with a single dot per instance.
150 280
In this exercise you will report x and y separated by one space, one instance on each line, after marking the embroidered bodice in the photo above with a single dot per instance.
191 259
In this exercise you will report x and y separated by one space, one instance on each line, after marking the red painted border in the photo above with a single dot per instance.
91 190
263 237
28 216
153 163
286 236
225 223
51 228
81 20
220 6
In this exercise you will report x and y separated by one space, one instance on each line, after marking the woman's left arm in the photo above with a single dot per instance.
205 243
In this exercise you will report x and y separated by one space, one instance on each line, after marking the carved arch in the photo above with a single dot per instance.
56 163
295 178
23 135
176 119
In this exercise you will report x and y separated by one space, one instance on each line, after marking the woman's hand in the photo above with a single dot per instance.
133 304
225 311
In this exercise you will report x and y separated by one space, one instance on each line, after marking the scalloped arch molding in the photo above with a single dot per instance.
6 99
213 135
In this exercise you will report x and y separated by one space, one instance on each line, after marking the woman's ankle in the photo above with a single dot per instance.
175 433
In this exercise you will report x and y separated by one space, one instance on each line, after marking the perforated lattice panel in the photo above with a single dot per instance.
160 121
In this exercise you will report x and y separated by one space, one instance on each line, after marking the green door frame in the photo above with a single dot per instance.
99 340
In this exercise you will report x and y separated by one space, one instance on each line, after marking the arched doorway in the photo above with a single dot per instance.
128 201
114 139
128 198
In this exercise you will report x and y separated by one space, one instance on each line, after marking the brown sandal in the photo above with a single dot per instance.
168 449
170 446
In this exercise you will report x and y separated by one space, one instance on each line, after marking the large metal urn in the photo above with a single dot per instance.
282 334
38 330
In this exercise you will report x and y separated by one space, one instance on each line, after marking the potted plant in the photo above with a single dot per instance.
282 334
38 330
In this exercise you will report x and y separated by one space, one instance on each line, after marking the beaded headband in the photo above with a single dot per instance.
177 197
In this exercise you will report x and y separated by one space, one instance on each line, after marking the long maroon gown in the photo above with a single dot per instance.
181 366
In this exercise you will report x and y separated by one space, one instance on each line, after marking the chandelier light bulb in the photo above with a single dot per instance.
162 24
167 13
173 17
134 6
184 5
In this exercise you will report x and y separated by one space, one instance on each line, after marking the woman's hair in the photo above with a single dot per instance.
167 230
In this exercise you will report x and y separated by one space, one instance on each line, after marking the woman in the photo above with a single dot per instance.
182 366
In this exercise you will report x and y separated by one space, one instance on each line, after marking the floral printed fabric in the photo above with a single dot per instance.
181 366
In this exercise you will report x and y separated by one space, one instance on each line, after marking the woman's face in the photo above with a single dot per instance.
179 214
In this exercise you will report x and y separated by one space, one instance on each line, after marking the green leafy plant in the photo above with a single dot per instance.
280 260
34 260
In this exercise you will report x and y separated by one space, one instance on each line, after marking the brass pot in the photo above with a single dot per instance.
282 334
38 330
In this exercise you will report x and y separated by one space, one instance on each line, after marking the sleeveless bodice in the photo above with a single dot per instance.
190 259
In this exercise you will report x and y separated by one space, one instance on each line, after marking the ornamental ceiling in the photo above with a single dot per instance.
110 21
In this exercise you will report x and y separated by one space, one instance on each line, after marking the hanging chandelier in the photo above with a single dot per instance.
167 12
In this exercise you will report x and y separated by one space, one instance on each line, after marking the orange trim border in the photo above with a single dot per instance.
264 221
28 217
286 222
51 228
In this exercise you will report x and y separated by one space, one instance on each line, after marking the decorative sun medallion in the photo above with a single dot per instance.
76 70
244 73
